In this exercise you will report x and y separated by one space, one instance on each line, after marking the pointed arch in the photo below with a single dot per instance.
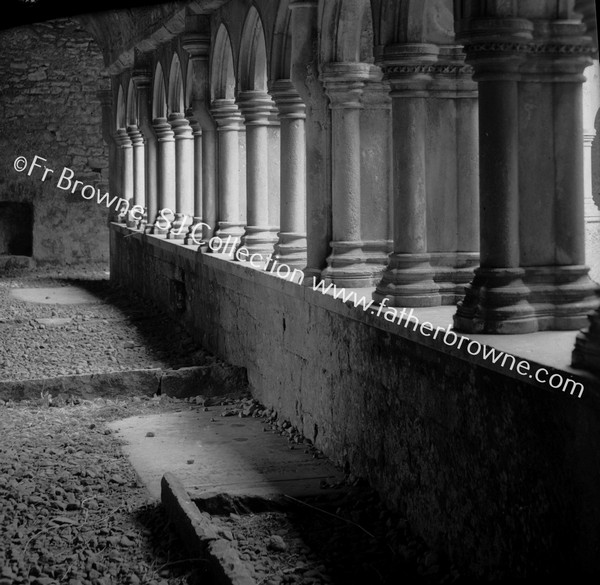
159 95
222 73
281 44
415 21
347 31
175 100
253 70
132 105
121 114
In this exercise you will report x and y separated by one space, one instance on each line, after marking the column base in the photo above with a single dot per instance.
408 281
290 249
452 272
230 235
586 354
193 237
260 240
348 266
525 300
179 227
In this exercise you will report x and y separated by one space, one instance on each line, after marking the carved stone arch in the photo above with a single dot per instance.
222 72
415 21
159 94
176 96
280 62
132 104
347 31
253 66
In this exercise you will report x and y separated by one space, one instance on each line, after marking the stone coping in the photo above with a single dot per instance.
547 349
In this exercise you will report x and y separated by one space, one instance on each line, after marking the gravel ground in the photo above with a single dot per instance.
71 508
113 334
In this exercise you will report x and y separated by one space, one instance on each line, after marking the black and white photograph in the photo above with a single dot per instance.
299 292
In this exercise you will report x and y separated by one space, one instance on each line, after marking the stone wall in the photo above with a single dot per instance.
500 474
49 75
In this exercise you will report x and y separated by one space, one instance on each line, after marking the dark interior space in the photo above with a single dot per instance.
16 229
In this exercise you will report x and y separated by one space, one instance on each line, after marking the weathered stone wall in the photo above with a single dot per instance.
49 75
500 474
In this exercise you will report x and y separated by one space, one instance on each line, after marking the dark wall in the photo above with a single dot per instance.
502 475
49 75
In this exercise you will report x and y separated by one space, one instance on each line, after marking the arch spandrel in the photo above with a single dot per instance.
280 62
121 113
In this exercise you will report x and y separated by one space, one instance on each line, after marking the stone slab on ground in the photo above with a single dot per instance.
64 295
211 453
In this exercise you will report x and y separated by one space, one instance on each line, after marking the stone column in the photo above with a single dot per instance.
344 83
532 274
126 155
142 80
256 107
408 278
166 175
229 124
305 77
194 234
139 175
184 175
376 175
591 105
291 244
205 198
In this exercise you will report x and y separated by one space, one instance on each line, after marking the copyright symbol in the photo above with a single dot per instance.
20 163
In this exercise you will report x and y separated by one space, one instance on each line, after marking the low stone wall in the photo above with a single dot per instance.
501 474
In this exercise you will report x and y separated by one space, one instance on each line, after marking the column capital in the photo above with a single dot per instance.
180 126
163 130
288 100
122 138
135 135
197 45
409 66
256 107
541 50
344 82
142 79
227 115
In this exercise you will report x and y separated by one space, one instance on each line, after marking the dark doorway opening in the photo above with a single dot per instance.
16 229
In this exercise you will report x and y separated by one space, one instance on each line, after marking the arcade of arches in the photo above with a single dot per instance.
411 151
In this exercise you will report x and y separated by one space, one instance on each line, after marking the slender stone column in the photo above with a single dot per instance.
139 175
256 107
291 245
205 144
166 175
229 124
305 76
408 278
209 178
194 234
376 175
142 80
532 274
126 154
344 83
184 175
